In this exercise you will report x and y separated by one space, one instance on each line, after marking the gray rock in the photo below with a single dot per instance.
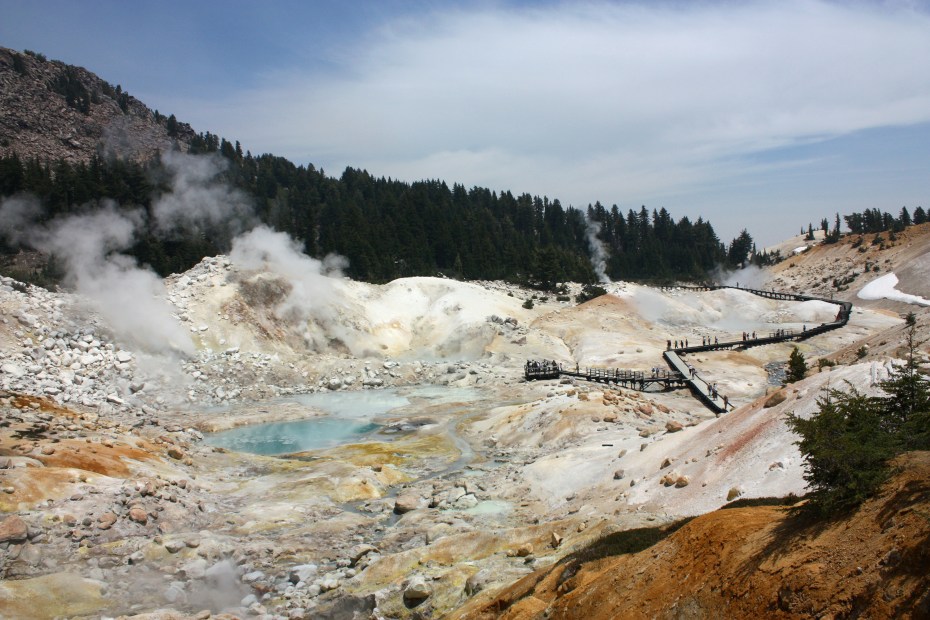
357 552
478 582
253 576
417 590
303 572
466 501
13 370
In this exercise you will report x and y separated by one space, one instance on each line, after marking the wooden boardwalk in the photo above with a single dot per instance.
682 374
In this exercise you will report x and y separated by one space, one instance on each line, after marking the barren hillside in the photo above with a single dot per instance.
56 111
748 563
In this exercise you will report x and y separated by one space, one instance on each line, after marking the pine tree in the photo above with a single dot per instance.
920 216
847 444
907 408
844 448
797 366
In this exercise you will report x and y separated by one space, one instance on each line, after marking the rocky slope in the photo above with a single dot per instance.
38 121
747 563
111 495
842 269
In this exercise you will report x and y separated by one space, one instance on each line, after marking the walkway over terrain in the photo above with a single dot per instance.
683 374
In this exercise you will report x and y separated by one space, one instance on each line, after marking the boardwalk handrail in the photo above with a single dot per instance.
683 374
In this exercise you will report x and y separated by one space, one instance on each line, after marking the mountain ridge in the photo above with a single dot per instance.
53 111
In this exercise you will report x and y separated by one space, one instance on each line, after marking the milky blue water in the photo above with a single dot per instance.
294 436
351 417
349 420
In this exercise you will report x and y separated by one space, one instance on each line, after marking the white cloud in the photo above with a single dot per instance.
617 102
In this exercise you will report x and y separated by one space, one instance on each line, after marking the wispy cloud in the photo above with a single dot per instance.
617 102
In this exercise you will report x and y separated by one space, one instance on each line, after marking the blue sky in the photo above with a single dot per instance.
764 115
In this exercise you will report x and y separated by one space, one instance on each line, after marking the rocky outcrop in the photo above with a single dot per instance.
56 111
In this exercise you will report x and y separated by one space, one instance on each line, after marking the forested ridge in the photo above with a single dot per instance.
385 227
389 228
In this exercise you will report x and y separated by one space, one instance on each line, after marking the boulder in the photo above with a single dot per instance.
775 399
673 426
619 474
13 529
359 551
734 493
106 520
303 572
173 546
406 503
417 590
13 370
466 501
478 582
138 515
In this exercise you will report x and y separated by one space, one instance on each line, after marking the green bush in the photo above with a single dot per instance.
797 366
589 292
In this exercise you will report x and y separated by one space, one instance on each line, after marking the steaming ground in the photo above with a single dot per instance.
112 500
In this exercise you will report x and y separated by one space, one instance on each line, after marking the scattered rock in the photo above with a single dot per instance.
478 582
106 520
775 399
173 546
417 591
138 515
406 503
13 530
673 426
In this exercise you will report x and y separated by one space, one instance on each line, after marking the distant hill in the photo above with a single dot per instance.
54 111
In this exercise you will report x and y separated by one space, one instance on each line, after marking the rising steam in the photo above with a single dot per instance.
599 253
199 197
91 246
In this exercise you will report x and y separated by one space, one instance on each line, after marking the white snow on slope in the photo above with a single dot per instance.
884 288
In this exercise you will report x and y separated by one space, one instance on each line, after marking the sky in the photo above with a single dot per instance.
756 115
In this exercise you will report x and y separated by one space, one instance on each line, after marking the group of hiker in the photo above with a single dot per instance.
542 367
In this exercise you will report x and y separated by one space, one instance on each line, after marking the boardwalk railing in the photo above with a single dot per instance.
683 374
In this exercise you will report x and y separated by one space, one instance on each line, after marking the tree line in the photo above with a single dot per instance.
869 221
389 228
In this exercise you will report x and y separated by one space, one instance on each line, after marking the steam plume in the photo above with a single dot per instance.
199 197
599 254
129 297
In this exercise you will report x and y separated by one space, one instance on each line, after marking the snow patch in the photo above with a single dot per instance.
884 288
